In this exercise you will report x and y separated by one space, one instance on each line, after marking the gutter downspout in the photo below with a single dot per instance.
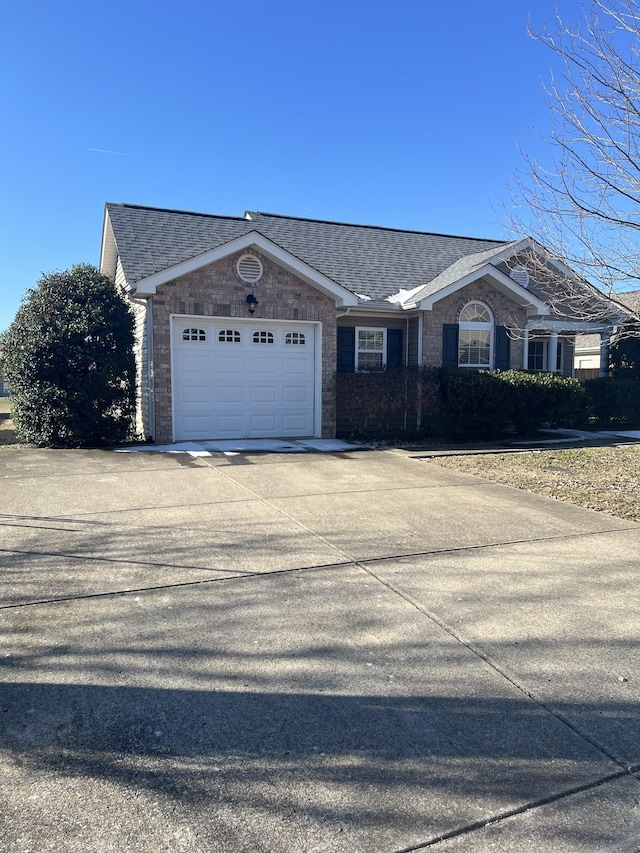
148 306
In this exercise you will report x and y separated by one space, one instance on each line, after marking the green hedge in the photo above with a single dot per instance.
489 404
455 404
613 403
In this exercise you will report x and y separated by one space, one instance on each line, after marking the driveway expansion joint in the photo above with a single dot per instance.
499 670
519 810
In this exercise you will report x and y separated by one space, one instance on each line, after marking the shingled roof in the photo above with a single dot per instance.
367 260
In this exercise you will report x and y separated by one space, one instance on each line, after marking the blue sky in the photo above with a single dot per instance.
407 114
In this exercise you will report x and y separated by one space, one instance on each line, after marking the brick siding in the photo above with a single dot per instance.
506 312
217 291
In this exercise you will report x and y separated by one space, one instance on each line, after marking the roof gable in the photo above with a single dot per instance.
371 261
253 239
472 267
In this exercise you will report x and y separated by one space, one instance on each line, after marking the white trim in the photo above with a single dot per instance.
549 357
317 381
108 248
538 248
317 371
383 350
561 266
477 326
512 249
253 239
567 326
150 370
500 280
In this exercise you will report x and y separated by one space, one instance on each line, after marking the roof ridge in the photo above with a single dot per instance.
174 210
378 227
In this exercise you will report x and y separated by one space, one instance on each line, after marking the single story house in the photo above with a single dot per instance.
242 322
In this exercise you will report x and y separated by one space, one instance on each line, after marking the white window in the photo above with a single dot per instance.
294 338
229 336
194 335
475 342
538 355
371 348
263 338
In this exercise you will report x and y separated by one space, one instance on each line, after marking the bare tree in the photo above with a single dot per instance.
584 203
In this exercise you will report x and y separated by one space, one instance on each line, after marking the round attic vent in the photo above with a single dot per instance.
249 268
520 275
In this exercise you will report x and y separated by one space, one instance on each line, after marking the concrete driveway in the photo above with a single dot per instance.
349 653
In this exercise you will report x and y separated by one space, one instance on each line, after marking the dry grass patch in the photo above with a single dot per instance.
7 428
606 479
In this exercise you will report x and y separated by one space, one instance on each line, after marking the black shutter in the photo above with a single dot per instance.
346 349
394 348
503 349
450 345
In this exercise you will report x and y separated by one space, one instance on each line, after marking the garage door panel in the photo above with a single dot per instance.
295 394
195 423
231 394
198 394
267 366
264 423
293 424
225 366
229 424
295 366
263 394
225 388
194 364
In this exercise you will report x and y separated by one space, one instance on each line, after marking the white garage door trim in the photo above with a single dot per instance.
315 334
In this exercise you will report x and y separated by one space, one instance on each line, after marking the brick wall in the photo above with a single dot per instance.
217 291
505 312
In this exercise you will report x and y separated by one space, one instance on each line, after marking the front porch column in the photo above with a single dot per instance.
525 350
552 350
605 340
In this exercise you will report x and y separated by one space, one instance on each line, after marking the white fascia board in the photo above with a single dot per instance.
500 280
254 239
365 309
577 326
108 248
560 265
512 249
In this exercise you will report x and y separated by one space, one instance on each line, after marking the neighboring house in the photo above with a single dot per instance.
242 322
588 348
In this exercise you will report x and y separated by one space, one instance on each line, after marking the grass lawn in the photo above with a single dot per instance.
606 479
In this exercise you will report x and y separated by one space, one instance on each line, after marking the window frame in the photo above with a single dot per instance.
383 350
229 335
545 356
260 337
193 334
477 326
300 339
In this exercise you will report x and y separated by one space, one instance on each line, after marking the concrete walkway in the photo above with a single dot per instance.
353 653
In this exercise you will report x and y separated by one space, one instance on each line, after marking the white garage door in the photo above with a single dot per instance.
242 379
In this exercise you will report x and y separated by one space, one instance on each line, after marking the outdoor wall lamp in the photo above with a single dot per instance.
252 302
